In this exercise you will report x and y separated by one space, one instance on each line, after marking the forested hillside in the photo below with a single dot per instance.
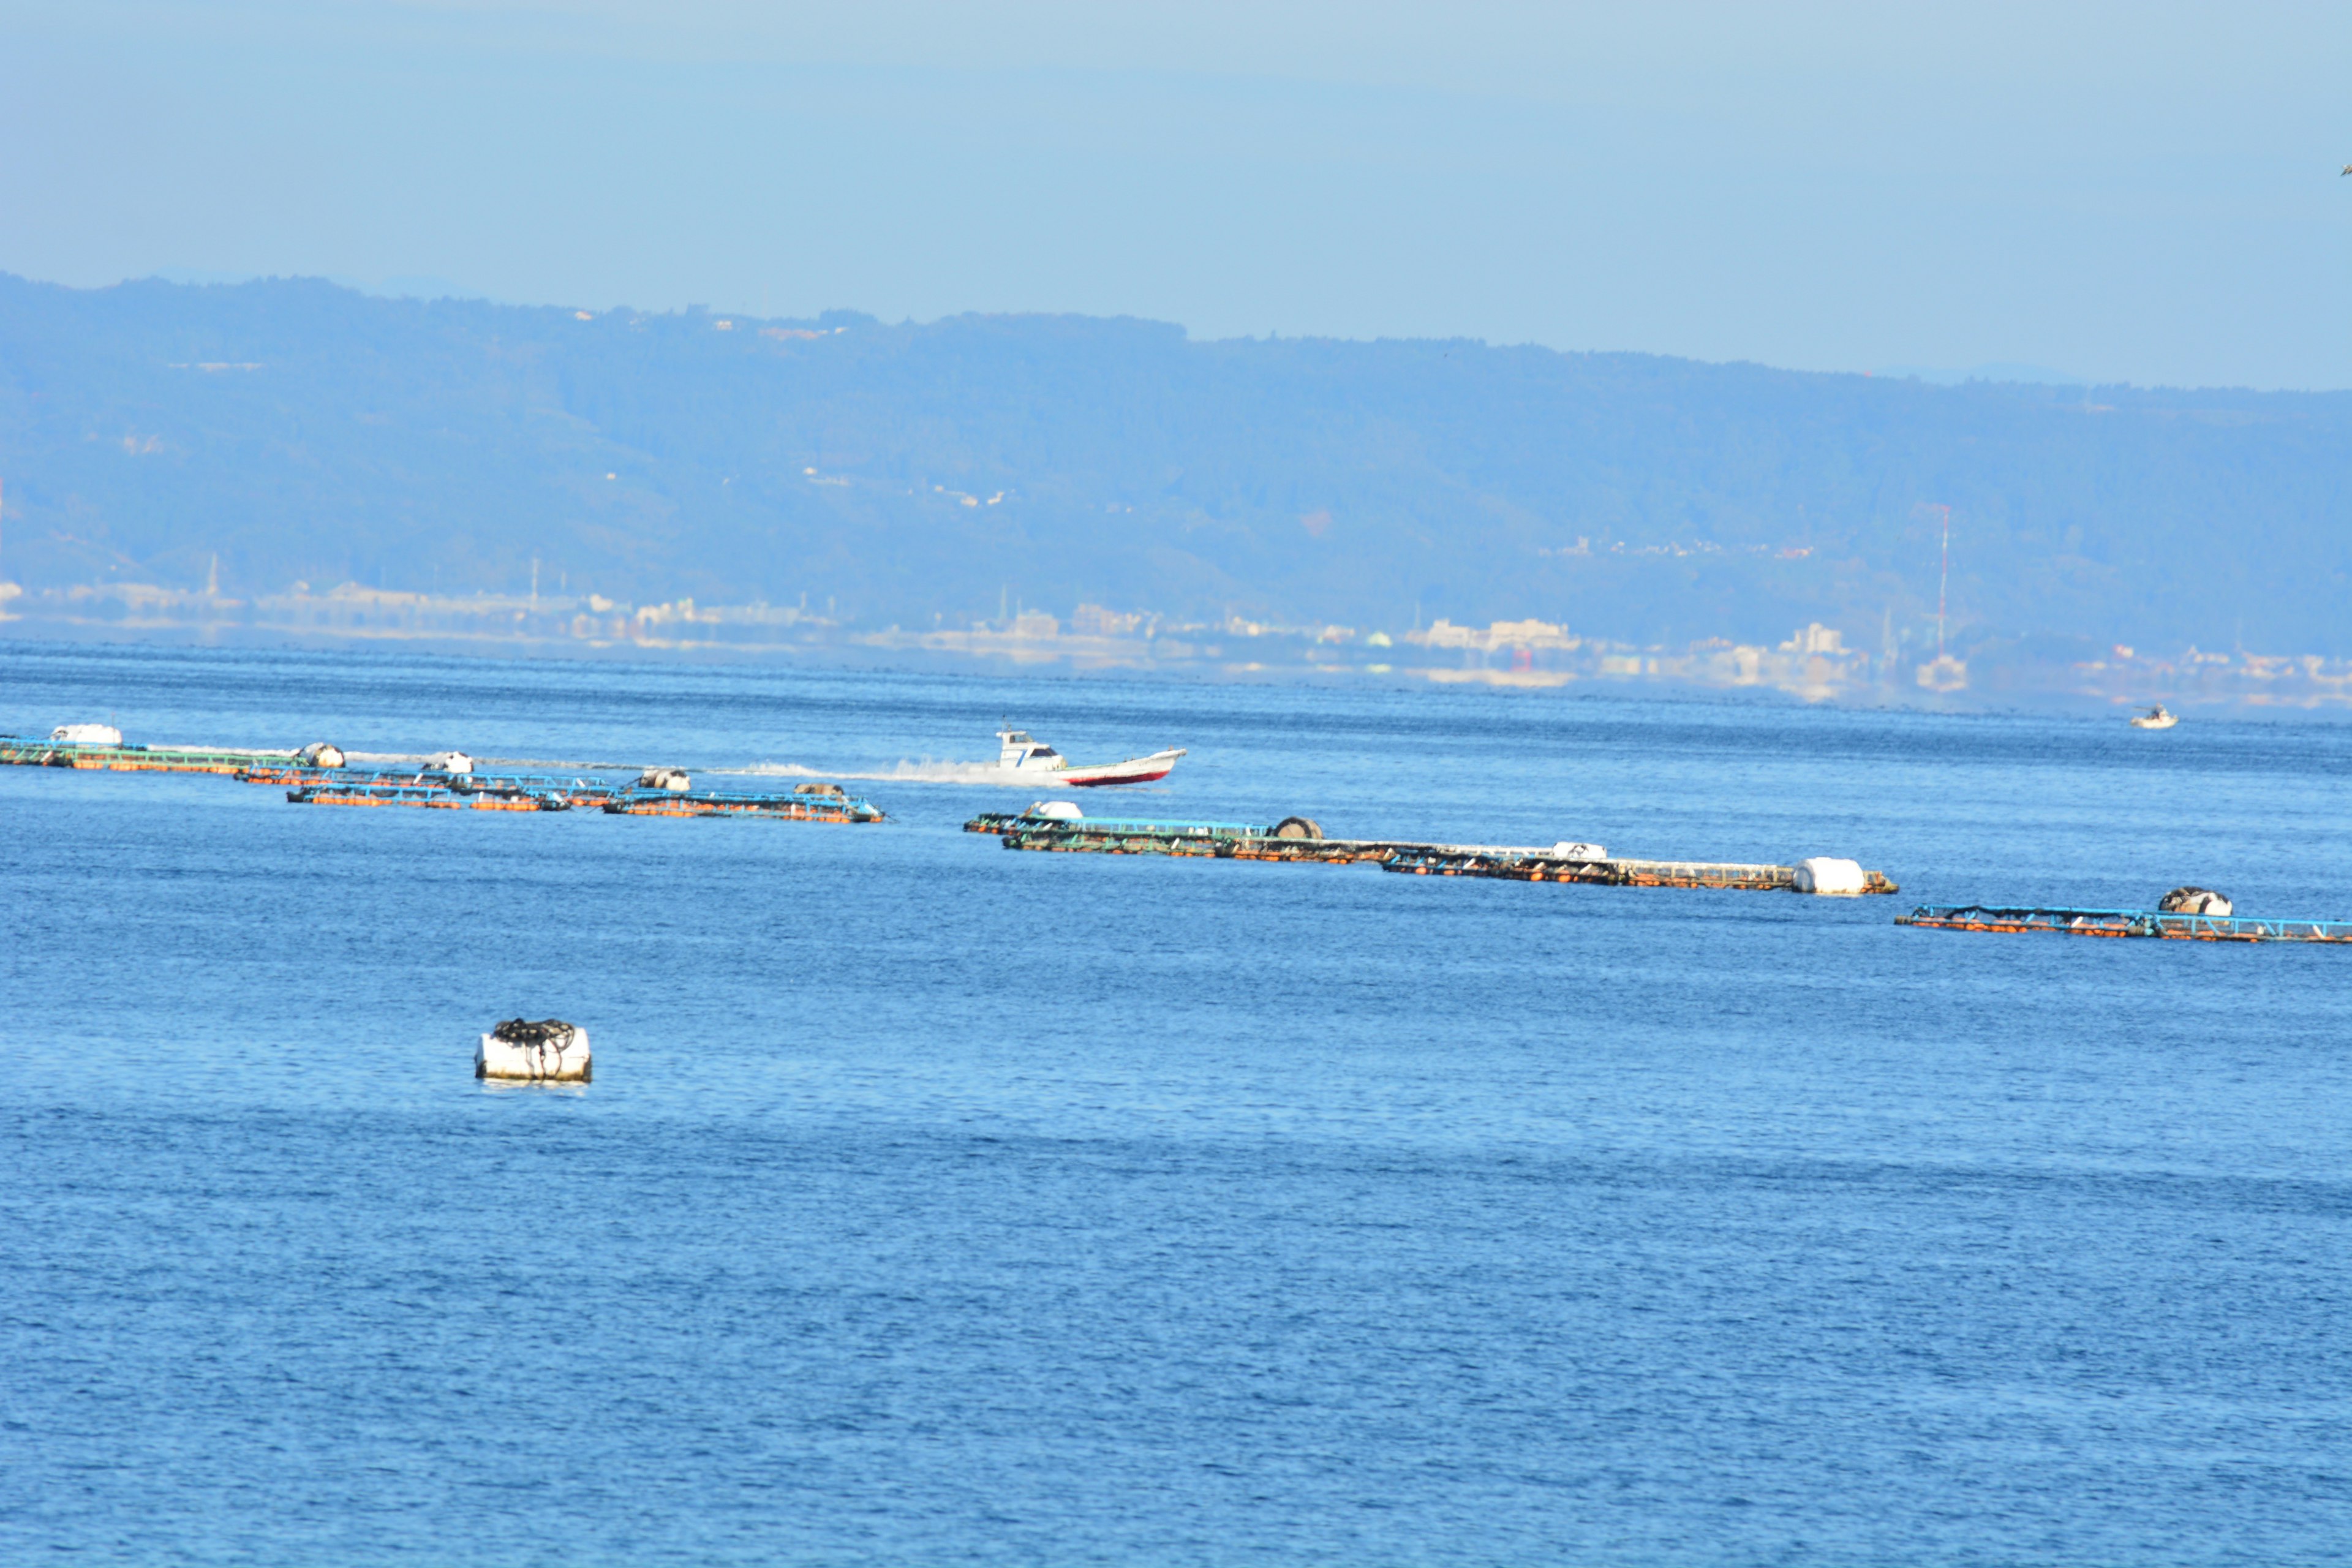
928 474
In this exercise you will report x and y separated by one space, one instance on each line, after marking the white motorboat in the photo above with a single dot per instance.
2155 718
1031 758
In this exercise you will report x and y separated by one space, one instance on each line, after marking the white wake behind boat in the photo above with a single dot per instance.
1034 759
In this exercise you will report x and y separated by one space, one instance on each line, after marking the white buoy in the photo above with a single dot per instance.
548 1051
1055 810
86 735
1828 875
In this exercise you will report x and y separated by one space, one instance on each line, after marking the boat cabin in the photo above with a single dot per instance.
1020 751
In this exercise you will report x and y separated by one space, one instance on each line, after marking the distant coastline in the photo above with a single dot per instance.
184 457
1812 664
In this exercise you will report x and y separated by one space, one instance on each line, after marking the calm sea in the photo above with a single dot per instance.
937 1204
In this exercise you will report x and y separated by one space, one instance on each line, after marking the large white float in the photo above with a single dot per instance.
2194 901
1829 875
521 1051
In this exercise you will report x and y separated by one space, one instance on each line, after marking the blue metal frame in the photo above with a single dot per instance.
1008 822
2124 922
408 792
856 807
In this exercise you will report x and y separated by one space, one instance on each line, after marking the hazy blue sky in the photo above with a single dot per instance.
2145 192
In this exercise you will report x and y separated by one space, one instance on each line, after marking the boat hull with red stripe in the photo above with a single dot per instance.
1025 759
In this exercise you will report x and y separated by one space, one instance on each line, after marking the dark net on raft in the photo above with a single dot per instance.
523 1032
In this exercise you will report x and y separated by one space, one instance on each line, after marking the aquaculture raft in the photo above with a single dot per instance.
805 803
294 773
446 794
1117 835
22 752
2124 922
319 775
346 786
1249 841
1549 865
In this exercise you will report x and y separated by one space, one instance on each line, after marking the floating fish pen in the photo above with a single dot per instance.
806 803
288 772
1300 838
1063 831
585 793
1117 835
433 792
121 759
298 775
2172 926
320 774
1568 864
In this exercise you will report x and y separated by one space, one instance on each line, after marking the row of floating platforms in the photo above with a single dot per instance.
1056 828
805 803
485 792
2168 925
116 757
2185 914
541 791
321 775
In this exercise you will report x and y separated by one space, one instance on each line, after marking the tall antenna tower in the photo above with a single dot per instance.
1944 578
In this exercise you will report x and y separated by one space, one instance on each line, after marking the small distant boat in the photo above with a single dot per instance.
2156 718
1031 758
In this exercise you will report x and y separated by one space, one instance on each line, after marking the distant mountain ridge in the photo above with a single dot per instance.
937 474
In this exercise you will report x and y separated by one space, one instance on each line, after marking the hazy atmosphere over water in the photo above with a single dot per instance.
2114 192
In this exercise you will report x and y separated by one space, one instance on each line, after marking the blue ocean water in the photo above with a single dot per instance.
939 1204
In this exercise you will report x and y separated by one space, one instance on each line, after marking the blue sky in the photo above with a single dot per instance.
2146 193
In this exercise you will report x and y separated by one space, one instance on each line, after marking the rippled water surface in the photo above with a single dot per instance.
939 1204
